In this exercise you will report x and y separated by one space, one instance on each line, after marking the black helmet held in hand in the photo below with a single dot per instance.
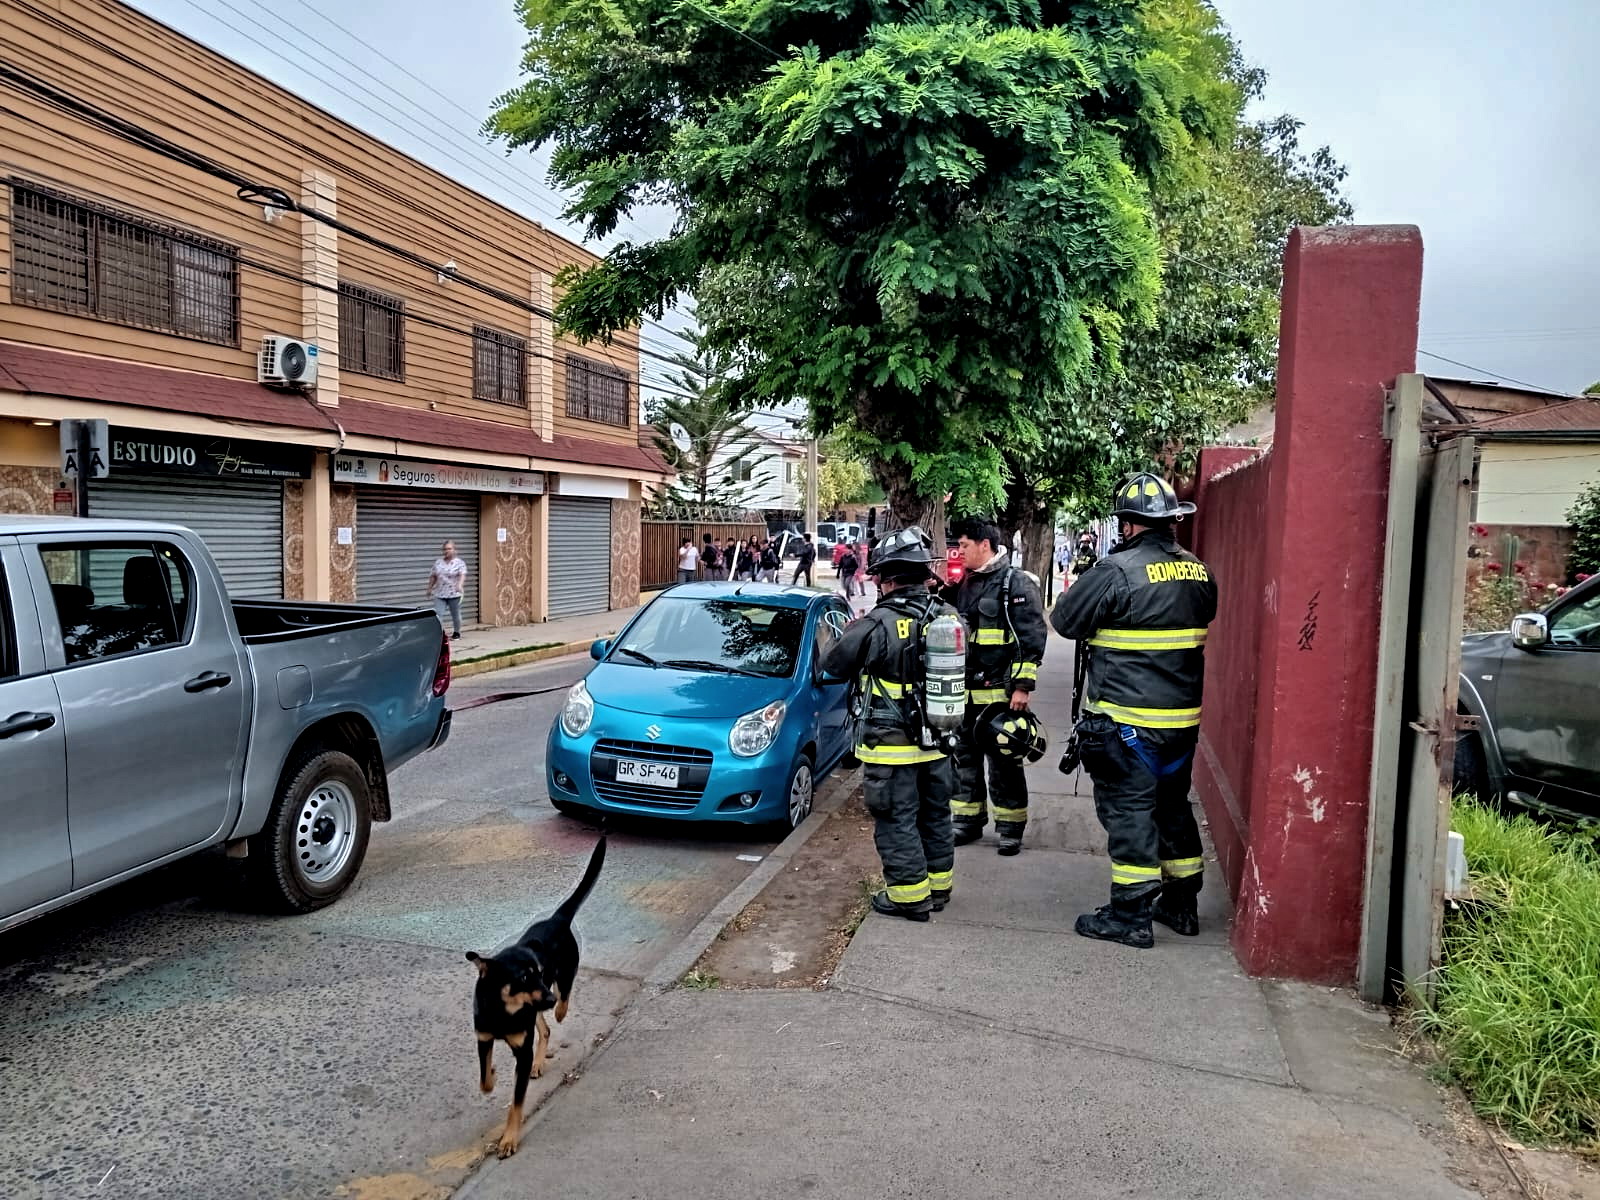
1012 733
1145 497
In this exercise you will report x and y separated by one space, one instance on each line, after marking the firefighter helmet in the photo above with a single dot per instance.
905 553
1147 497
1011 733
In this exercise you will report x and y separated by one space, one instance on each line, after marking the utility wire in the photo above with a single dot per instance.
1495 374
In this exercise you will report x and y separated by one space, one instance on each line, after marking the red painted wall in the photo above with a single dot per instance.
1296 540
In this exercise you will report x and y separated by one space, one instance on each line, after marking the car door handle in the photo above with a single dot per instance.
207 679
26 722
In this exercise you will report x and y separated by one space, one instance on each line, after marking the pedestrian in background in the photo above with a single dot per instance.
847 565
769 561
445 585
688 560
710 558
808 556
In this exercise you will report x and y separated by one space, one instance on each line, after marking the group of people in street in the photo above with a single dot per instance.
758 559
1140 614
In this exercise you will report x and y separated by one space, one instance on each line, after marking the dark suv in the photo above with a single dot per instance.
1535 691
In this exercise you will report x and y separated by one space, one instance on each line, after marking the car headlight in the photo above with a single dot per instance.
578 712
753 732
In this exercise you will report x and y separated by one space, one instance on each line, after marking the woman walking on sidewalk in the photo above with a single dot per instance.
445 585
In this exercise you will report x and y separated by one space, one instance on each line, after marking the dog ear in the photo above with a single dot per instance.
479 961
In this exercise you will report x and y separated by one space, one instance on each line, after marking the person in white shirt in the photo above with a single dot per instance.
445 585
688 560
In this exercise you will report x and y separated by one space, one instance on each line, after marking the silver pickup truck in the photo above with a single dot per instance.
145 716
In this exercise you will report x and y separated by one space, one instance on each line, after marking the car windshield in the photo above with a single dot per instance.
731 636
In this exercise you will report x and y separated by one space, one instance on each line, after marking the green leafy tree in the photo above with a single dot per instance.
1584 516
719 435
842 478
924 222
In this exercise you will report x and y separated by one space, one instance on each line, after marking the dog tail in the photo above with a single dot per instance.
569 906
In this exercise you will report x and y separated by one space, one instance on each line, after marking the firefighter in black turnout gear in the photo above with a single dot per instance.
1005 621
1143 610
908 779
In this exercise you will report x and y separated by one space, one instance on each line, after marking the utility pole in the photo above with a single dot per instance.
812 492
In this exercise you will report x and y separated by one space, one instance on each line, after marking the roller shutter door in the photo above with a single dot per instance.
398 535
240 521
580 556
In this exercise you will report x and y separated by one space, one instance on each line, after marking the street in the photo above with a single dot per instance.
163 1041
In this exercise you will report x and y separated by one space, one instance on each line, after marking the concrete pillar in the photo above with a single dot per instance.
539 601
319 261
1349 327
317 531
488 565
541 354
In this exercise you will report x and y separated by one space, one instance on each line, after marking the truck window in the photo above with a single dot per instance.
116 599
1578 626
8 648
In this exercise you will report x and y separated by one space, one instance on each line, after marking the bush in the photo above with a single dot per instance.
1584 516
1517 1013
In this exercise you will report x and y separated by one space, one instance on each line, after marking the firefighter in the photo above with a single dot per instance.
1143 609
908 779
1005 620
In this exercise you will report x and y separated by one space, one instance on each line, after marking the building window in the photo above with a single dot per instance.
788 472
597 391
498 366
76 256
741 470
372 332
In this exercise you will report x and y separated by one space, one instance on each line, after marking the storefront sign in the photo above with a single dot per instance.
405 472
154 452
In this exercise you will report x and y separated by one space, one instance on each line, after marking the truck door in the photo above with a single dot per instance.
153 693
35 854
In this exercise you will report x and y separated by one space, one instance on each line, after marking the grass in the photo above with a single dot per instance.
461 662
1517 1013
699 981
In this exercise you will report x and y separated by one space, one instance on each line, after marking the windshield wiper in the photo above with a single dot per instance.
639 654
700 664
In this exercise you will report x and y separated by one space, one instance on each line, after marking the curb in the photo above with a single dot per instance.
666 973
516 658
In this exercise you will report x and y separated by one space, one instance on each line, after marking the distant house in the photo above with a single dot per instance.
771 470
1535 453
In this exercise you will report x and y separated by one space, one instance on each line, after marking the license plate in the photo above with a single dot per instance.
651 774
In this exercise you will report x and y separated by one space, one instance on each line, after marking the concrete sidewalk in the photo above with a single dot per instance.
993 1053
497 646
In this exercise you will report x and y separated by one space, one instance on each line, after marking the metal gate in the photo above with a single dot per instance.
240 521
1419 671
580 556
398 535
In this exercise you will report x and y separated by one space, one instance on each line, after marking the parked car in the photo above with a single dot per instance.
710 705
831 533
144 716
1535 691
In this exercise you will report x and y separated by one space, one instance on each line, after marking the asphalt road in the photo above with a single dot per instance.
169 1036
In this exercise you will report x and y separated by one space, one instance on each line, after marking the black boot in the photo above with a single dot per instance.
940 899
967 830
911 912
1108 924
1177 916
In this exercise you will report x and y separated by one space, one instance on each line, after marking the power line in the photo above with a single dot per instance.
1495 374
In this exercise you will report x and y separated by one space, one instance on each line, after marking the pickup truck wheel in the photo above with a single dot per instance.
316 835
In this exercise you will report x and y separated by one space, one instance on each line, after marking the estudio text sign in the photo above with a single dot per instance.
410 473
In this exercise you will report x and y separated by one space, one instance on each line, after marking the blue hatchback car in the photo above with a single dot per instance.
710 705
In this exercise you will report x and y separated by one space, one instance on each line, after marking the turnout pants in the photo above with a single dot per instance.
910 805
988 783
1153 838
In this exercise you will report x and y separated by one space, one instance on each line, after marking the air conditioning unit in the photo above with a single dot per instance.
286 362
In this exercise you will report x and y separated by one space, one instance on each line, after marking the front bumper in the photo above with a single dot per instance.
712 779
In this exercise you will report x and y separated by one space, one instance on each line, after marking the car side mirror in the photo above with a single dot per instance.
1529 631
598 648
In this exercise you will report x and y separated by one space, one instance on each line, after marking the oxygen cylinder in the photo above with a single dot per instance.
944 669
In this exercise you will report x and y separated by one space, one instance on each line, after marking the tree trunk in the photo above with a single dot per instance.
1039 549
906 505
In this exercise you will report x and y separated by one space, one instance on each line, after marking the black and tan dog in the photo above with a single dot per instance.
518 986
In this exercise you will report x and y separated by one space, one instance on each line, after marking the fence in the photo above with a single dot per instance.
659 541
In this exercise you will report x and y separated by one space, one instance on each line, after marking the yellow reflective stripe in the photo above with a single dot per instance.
884 687
1128 873
909 893
1008 814
896 756
941 881
987 695
1149 639
1149 718
1182 868
965 808
1025 670
992 637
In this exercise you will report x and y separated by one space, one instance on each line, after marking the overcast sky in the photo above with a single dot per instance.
1464 117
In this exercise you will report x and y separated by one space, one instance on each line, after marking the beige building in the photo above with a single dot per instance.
184 239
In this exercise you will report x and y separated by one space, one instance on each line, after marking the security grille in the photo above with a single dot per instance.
580 556
399 532
597 391
372 335
79 257
498 366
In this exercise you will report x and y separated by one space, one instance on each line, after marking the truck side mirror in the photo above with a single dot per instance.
597 649
1529 631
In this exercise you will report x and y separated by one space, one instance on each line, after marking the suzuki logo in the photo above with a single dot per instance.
654 731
